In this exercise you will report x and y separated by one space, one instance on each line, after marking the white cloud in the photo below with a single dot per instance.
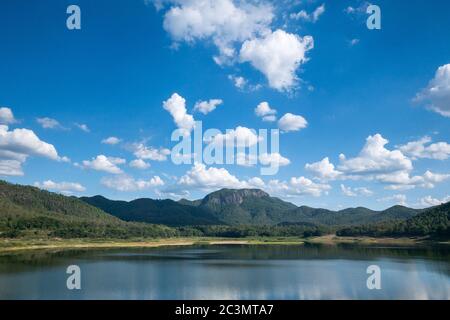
48 123
111 140
375 158
64 187
277 55
231 25
347 191
176 106
435 177
6 116
359 11
141 151
353 192
312 17
126 183
423 149
139 164
225 22
19 144
207 179
83 127
430 201
292 122
201 177
264 111
437 93
399 199
11 167
377 163
243 84
104 163
401 180
239 137
238 81
273 159
206 107
323 170
25 142
297 186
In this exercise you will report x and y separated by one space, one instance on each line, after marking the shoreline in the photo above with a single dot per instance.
21 245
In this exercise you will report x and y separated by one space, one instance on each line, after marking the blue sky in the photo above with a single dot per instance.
63 92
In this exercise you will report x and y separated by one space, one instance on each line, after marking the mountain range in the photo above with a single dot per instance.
240 207
30 211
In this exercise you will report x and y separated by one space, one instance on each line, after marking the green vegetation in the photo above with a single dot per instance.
294 230
245 207
30 212
433 222
167 212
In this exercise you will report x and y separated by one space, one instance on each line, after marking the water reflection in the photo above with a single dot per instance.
229 272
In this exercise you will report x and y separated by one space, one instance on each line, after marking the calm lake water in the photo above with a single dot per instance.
229 272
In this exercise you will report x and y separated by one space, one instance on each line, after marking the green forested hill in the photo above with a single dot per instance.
246 206
167 212
251 207
26 210
434 222
29 211
350 216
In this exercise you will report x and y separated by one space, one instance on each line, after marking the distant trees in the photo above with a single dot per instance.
433 222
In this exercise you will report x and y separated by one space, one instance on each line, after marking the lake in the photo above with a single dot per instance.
229 272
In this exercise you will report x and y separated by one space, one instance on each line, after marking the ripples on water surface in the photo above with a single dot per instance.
229 272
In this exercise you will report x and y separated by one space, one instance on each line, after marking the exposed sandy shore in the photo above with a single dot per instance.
18 245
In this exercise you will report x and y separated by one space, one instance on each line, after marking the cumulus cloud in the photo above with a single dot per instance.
48 123
264 111
111 140
104 163
377 163
139 164
201 177
241 30
83 127
207 179
176 106
206 107
64 187
310 17
238 81
354 192
19 144
423 148
273 159
277 55
297 186
430 201
323 170
399 199
375 158
239 137
437 94
292 122
225 22
126 183
141 151
6 116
